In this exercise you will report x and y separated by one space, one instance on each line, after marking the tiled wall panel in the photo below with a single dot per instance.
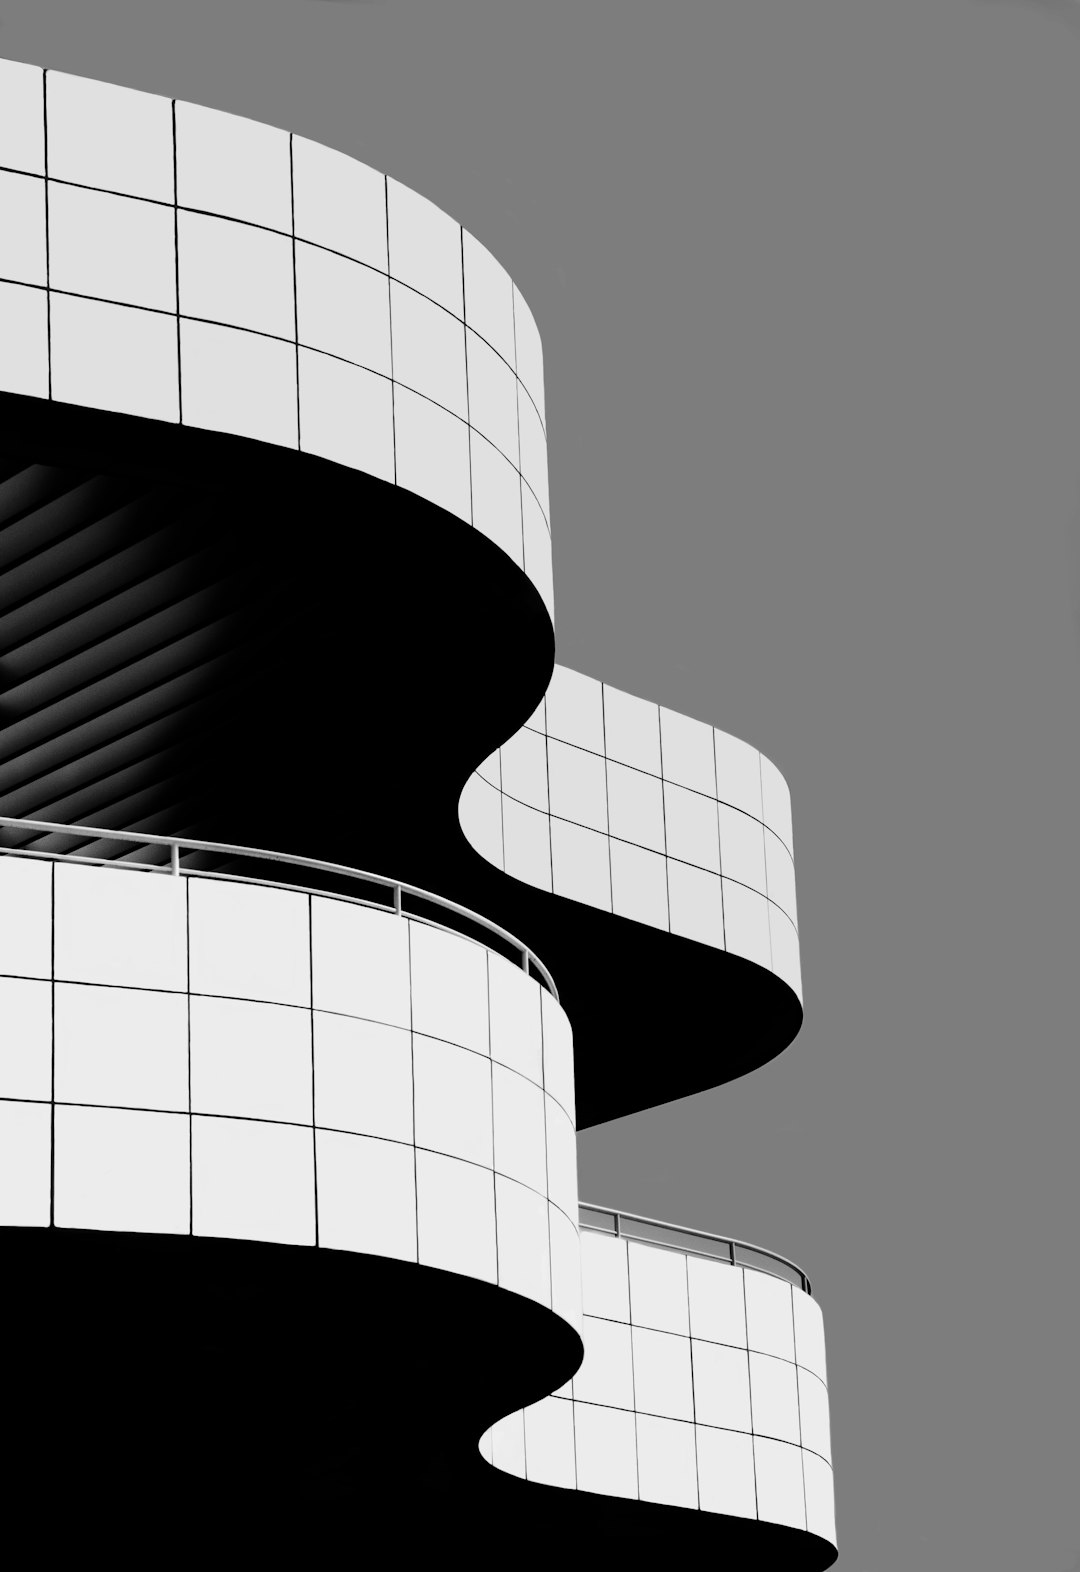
235 1060
634 809
703 1386
164 259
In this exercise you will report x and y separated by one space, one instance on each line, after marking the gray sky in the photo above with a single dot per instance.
808 279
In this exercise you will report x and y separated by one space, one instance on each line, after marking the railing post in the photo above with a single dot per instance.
524 960
174 857
397 899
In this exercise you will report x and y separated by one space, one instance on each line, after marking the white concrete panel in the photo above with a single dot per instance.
658 1291
428 348
515 1003
24 341
776 801
820 1513
577 784
236 274
252 1180
249 941
121 1170
114 247
565 1267
22 228
814 1415
363 1077
26 1041
480 817
726 1473
340 202
518 1108
746 924
26 916
536 536
697 904
636 807
449 987
425 247
432 452
717 1303
769 1322
632 730
575 711
738 773
120 926
809 1333
22 117
251 1060
527 839
558 1053
549 1443
25 1163
562 1183
667 1462
687 748
346 414
111 137
580 864
239 382
639 885
360 961
366 1195
496 497
742 848
721 1386
522 1236
231 165
342 308
606 1451
508 1444
121 1047
489 297
492 396
452 1093
691 827
605 1276
774 1398
114 357
606 1375
778 1469
456 1216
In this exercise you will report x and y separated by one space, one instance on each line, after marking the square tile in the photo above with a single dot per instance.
774 1398
785 951
605 1276
249 1060
558 1053
697 905
776 801
580 865
22 117
508 1444
253 1181
658 1292
340 202
632 730
22 228
343 308
662 1379
114 247
577 785
428 349
522 1236
425 247
25 1162
606 1444
717 1305
813 1414
120 926
515 1004
489 297
230 165
690 827
492 396
549 1443
456 1216
780 873
575 709
769 1321
820 1512
667 1461
26 1038
809 1333
742 848
120 1170
687 747
452 1101
639 885
432 452
565 1268
738 773
449 987
360 961
778 1469
721 1386
534 457
363 1077
110 137
121 1047
530 355
536 536
366 1195
114 357
236 274
26 916
480 817
606 1375
527 843
249 941
238 382
525 768
520 1141
24 333
726 1473
496 497
636 807
346 414
746 924
562 1184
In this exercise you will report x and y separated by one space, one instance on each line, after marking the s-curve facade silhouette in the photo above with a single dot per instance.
331 907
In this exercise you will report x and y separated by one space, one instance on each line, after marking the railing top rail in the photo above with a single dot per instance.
678 1234
181 843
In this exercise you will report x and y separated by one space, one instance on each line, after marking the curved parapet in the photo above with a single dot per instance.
703 1387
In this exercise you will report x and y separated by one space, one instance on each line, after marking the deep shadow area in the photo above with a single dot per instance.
190 1386
208 636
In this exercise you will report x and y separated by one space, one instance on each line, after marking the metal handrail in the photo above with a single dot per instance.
624 1227
177 845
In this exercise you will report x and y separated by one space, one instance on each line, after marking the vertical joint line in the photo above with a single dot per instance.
176 272
48 273
296 314
393 384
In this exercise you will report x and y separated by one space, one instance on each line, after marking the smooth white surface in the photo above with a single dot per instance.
121 1047
251 1060
25 1038
667 1461
252 1181
113 357
117 926
22 117
115 247
367 1195
228 164
25 1161
110 137
363 1077
24 363
249 942
123 1170
360 961
22 239
25 917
